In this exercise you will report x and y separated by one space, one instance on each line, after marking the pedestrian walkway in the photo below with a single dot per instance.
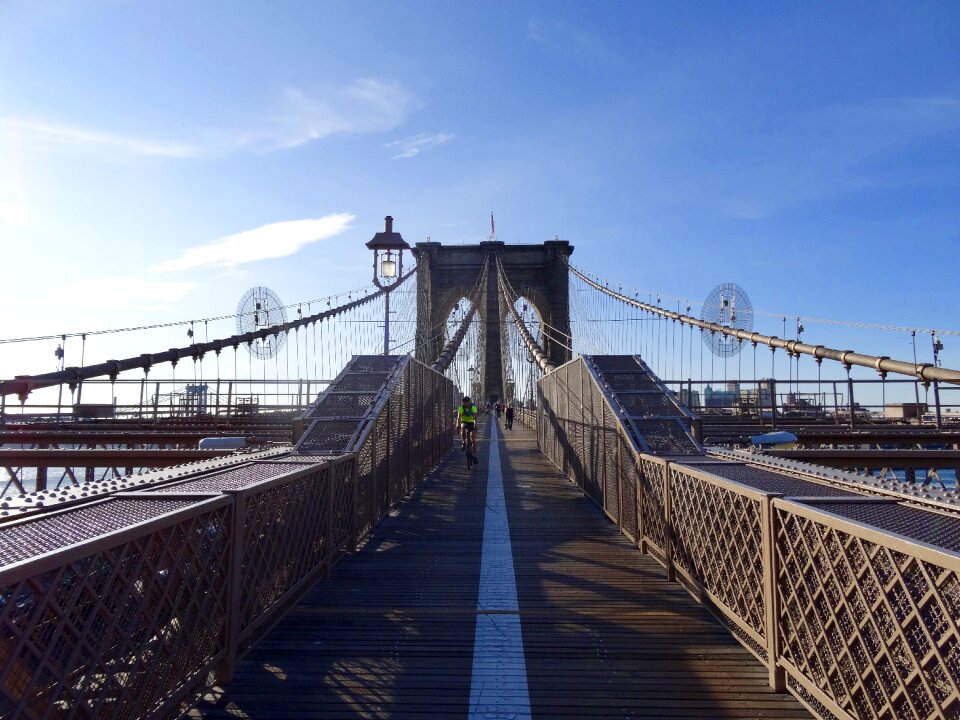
425 621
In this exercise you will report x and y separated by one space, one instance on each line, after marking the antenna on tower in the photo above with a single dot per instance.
492 227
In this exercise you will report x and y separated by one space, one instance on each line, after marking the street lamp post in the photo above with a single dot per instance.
389 267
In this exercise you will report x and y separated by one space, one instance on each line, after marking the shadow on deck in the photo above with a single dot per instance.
604 634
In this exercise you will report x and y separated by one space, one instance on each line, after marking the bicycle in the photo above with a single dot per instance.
467 444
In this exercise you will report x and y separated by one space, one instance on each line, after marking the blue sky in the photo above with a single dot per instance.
157 159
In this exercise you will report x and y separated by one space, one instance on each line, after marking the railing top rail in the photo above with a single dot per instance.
820 512
32 566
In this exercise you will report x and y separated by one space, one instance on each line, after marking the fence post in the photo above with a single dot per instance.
850 403
598 430
331 530
768 536
773 404
390 494
638 464
234 588
936 404
619 484
668 524
836 404
408 386
374 497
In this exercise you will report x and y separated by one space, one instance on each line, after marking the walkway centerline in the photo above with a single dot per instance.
498 687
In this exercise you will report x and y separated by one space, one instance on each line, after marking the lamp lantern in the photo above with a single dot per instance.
388 267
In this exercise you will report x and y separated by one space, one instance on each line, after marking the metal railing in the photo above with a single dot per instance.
128 607
851 600
851 402
164 398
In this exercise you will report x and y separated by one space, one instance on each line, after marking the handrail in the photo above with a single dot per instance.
796 568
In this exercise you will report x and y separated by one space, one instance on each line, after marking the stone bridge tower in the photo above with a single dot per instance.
446 273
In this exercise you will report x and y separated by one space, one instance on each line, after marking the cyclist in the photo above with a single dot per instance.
467 421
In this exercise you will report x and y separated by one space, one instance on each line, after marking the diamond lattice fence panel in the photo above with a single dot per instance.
120 631
598 444
399 442
579 446
717 540
567 427
866 619
629 479
285 534
353 500
381 467
416 419
609 438
652 478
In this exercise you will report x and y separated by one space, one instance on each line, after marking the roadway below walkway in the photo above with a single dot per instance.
426 621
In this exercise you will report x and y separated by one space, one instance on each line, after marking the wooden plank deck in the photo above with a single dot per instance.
604 634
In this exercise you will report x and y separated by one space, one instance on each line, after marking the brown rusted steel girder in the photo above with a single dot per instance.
855 458
81 436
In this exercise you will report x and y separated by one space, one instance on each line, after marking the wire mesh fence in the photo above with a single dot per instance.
850 599
131 606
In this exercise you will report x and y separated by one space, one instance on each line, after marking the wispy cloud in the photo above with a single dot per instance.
262 243
54 136
365 106
411 146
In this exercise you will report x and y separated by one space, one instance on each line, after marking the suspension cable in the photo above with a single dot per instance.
447 354
882 364
23 385
532 345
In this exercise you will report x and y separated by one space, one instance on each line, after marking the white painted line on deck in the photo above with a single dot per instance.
498 688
